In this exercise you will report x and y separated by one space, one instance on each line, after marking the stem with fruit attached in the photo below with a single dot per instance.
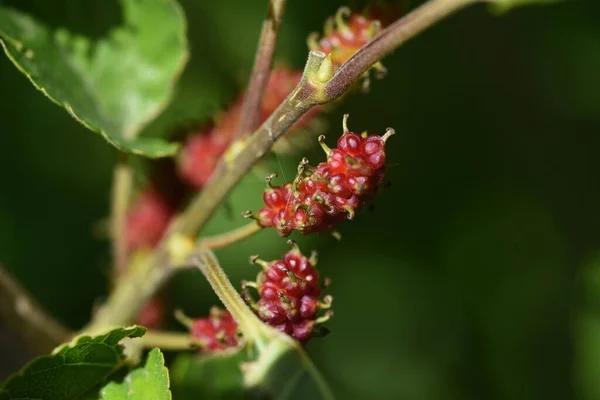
389 39
318 85
252 328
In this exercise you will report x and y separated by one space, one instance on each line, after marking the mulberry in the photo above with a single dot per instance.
215 333
200 155
344 34
289 292
147 219
322 197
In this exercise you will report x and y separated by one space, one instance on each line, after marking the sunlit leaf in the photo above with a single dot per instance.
149 382
115 85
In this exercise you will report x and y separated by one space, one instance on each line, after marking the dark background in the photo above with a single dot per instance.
472 278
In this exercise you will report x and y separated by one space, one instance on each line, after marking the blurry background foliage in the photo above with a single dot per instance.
473 278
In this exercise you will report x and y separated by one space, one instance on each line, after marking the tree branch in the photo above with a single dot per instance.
40 331
314 88
262 66
318 86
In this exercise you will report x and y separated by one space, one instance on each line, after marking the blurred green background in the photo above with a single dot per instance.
473 277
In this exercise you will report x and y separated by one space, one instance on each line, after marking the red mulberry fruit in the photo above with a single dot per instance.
289 292
321 197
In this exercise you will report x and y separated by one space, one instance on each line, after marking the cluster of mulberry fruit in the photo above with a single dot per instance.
316 201
321 197
289 294
212 334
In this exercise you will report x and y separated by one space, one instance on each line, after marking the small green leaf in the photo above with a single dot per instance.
502 6
113 86
149 382
215 376
72 370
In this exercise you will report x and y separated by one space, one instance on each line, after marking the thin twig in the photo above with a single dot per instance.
317 86
232 170
121 191
168 340
262 66
228 238
39 330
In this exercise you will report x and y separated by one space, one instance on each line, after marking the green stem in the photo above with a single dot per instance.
252 328
168 340
133 290
228 238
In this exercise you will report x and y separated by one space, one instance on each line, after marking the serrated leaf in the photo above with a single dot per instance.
502 6
149 382
113 86
215 376
72 370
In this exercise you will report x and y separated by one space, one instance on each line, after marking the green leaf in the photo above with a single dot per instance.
215 376
113 86
502 6
149 382
72 370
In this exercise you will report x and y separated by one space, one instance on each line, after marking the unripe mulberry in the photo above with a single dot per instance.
200 155
215 333
147 219
289 294
321 197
